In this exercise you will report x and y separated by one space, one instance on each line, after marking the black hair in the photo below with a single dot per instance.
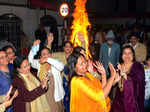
7 47
17 64
68 42
147 58
78 49
135 34
71 64
43 49
1 50
127 47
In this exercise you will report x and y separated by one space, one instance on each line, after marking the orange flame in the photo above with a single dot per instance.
80 25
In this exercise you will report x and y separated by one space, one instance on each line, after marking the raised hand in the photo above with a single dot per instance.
122 71
117 78
44 81
36 42
100 68
119 66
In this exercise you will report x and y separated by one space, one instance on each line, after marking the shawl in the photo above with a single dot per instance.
41 102
131 99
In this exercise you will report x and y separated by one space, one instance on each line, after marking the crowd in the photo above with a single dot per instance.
115 79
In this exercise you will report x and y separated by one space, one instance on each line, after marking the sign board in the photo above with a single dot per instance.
64 9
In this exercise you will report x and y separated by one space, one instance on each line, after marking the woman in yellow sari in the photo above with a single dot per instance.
88 94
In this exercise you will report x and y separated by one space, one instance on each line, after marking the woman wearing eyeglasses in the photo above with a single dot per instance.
5 79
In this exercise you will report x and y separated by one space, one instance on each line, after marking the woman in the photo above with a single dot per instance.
5 79
79 49
91 68
130 93
86 90
31 96
62 56
46 64
11 56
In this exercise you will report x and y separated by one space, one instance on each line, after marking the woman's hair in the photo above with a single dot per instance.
71 64
127 47
17 64
135 34
40 52
78 49
147 58
1 50
67 42
7 47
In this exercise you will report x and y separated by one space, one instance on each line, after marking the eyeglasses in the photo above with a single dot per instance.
3 57
9 53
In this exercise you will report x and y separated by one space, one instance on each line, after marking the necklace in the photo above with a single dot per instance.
126 68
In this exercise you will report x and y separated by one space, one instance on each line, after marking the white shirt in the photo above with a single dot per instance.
133 46
147 86
109 51
56 68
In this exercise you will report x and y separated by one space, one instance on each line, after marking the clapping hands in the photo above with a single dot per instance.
114 73
122 71
100 68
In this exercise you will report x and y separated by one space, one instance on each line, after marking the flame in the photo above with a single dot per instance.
80 25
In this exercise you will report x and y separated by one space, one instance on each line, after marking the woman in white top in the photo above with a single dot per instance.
52 67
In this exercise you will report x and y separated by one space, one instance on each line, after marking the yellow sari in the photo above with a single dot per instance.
87 95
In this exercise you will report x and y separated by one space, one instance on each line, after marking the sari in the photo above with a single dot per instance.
87 95
131 98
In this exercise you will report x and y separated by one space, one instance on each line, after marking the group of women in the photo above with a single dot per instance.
34 93
89 87
88 94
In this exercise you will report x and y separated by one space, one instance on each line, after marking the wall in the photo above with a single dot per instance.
148 5
30 17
